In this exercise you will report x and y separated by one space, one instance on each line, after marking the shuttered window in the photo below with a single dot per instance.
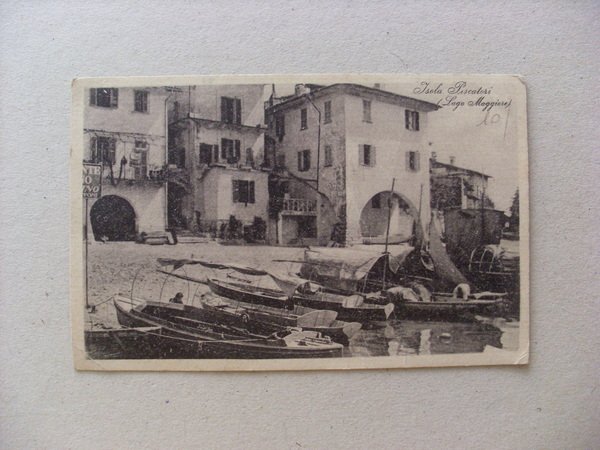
103 150
230 150
366 155
304 160
206 153
140 101
104 97
413 161
243 191
411 120
327 108
303 119
231 110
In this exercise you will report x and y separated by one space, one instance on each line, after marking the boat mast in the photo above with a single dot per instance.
387 235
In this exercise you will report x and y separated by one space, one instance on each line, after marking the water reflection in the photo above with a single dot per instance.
404 337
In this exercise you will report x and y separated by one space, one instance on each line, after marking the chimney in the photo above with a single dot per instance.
434 156
377 85
301 89
452 160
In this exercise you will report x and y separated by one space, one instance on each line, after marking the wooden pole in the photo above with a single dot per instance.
387 235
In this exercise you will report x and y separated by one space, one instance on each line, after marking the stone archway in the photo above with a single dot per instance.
113 218
374 217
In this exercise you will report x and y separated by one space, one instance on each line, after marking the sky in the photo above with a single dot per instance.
480 137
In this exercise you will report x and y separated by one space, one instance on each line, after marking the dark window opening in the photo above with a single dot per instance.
103 150
303 119
231 110
413 162
141 101
206 154
304 160
104 97
327 108
366 110
243 191
411 120
230 150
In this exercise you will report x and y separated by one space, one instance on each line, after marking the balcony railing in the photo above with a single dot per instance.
299 205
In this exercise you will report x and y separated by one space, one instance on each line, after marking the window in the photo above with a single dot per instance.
103 150
138 160
141 101
104 97
376 202
206 153
230 150
280 126
367 111
328 156
231 110
327 108
304 161
303 119
243 191
413 163
411 120
366 155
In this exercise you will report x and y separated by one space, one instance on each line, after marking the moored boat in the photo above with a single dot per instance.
268 320
122 343
349 308
189 332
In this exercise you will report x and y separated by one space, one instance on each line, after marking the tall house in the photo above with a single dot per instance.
336 150
124 131
216 142
456 187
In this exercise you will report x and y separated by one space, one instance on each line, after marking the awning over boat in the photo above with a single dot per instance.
343 268
290 284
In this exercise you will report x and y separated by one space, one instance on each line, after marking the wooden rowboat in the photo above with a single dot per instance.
264 319
349 308
189 332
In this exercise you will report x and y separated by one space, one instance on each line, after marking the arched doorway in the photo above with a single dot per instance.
113 219
374 217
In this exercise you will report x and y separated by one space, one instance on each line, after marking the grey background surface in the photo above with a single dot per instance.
553 403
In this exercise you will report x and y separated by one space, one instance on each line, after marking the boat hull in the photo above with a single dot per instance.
123 343
249 294
187 332
265 319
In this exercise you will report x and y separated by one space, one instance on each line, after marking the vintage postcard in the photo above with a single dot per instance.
299 222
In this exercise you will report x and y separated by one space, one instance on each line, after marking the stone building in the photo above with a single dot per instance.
335 151
216 142
124 131
456 187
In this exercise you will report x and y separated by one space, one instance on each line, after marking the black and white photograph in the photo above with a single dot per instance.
299 222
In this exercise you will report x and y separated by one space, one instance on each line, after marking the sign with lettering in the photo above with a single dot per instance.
92 180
